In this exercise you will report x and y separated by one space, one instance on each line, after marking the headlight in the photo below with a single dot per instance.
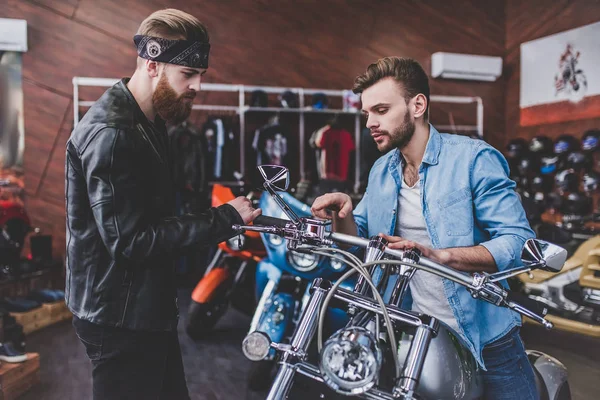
236 243
256 346
302 261
336 264
350 361
275 240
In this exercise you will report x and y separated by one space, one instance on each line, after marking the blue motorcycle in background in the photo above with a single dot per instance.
283 279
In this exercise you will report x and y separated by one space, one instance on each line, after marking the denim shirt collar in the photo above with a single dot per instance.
431 155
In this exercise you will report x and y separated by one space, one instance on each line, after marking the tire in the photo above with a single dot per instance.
261 375
209 302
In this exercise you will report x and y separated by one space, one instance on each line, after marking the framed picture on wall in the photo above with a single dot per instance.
560 77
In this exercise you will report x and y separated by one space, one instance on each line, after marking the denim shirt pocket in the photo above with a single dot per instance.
456 209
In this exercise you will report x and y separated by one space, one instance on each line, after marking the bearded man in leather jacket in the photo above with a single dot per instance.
122 232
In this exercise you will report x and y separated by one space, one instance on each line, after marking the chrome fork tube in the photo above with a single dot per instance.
413 366
304 333
373 252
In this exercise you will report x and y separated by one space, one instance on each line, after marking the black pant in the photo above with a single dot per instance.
133 365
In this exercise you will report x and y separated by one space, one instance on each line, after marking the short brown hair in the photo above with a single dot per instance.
406 71
174 24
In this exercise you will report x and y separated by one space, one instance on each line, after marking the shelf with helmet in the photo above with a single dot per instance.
293 100
559 181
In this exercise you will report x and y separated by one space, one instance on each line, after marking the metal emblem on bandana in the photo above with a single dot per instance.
180 52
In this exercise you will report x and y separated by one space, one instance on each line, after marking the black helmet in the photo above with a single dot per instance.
549 164
527 165
288 99
259 98
567 180
541 145
542 183
565 144
578 161
591 181
516 148
591 140
320 101
577 204
554 200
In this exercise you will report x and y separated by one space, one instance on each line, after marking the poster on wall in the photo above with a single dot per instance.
560 77
12 139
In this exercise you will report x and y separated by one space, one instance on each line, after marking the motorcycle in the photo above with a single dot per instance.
225 280
573 295
283 280
385 352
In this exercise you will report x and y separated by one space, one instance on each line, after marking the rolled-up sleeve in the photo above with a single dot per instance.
498 208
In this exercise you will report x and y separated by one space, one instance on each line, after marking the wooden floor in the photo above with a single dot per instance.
216 368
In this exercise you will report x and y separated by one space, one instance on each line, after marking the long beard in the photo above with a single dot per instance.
400 137
170 106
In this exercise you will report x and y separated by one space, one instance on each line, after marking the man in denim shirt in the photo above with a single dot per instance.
449 196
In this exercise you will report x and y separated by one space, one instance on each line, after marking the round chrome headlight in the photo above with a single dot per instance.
256 345
303 262
237 243
350 361
275 240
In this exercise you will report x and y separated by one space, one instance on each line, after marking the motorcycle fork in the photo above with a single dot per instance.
298 348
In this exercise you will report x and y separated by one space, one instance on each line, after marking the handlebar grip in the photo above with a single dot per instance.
270 221
533 305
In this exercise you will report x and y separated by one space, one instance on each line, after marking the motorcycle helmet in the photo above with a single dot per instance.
591 140
578 161
527 165
591 181
288 99
549 164
565 144
516 148
577 205
554 201
320 101
542 184
259 98
567 180
541 145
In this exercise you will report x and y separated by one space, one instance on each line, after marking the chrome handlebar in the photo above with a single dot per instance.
312 232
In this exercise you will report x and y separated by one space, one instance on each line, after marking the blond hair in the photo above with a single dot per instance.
173 24
408 73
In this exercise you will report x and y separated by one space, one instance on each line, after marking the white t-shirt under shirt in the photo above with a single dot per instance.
427 289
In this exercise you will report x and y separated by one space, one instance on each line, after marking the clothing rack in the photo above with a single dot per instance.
242 109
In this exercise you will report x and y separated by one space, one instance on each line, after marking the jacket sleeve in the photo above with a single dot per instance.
117 201
498 209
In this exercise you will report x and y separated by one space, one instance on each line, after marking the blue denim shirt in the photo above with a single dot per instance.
467 200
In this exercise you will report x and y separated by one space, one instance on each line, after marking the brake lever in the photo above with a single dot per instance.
262 229
530 314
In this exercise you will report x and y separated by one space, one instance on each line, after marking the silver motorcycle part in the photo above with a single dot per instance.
449 369
551 290
350 361
553 376
299 344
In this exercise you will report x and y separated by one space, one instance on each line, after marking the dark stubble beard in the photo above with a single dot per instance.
400 137
168 105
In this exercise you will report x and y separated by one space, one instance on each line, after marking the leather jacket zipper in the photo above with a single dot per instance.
143 131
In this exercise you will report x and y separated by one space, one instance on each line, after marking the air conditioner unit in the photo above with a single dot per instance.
13 34
465 66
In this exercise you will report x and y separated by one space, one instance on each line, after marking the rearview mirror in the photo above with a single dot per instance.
276 176
543 255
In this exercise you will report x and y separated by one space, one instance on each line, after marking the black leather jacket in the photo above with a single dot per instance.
122 235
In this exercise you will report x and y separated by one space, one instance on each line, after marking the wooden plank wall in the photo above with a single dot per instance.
264 42
533 19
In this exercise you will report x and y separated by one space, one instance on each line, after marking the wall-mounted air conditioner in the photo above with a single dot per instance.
13 34
465 66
